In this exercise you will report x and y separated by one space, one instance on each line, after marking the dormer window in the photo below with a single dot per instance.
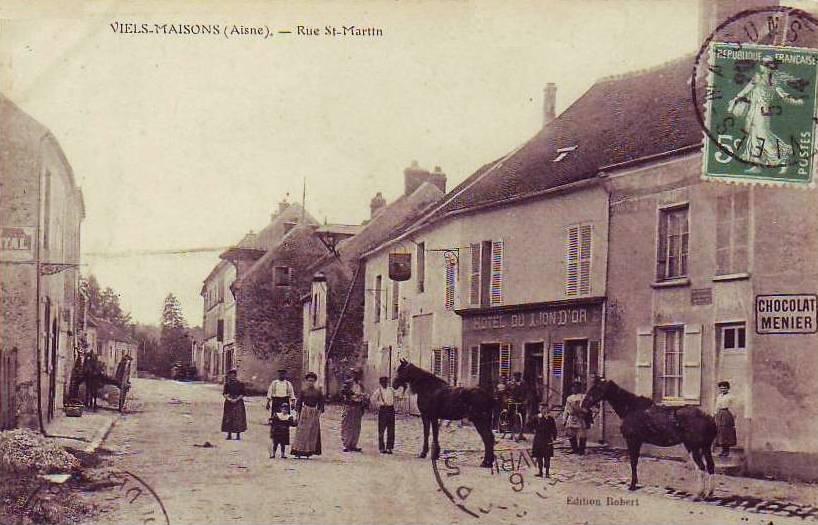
563 152
282 276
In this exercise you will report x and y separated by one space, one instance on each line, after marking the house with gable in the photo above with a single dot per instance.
333 308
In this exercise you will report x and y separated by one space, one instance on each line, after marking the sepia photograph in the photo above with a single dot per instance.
408 262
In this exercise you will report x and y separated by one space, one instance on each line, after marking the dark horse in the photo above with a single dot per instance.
437 400
645 422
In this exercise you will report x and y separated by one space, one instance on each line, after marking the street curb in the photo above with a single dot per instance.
106 429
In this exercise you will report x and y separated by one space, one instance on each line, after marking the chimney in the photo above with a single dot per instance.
549 103
376 204
414 176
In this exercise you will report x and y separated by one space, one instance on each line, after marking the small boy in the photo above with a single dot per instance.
280 425
545 432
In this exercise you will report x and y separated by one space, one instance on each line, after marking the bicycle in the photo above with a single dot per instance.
511 420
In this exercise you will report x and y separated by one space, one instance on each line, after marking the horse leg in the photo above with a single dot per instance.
633 453
711 469
483 427
700 474
435 443
425 436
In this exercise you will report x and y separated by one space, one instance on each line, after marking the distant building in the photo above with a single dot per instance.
110 343
333 310
41 208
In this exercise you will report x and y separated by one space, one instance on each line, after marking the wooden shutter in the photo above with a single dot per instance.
644 362
395 299
741 230
585 235
437 362
557 351
572 261
496 286
692 363
474 365
474 284
448 300
445 363
505 360
453 365
661 246
723 232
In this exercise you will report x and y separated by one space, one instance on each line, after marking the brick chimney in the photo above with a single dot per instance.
376 204
414 176
549 103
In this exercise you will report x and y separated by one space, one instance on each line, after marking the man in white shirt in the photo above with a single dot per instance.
384 398
280 391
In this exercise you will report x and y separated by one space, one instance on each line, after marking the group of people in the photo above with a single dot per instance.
309 405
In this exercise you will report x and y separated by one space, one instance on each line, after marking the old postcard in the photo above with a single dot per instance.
408 262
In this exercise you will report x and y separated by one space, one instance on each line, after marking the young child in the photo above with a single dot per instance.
280 425
545 432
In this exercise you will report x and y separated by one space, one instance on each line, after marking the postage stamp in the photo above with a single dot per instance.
758 104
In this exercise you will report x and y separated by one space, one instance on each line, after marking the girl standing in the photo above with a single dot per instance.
234 418
310 406
725 420
280 424
545 432
354 399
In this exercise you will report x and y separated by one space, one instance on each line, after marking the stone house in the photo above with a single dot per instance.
110 343
41 208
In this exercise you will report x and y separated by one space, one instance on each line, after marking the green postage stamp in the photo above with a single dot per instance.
760 104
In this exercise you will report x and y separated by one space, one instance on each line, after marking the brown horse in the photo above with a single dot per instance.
437 400
645 422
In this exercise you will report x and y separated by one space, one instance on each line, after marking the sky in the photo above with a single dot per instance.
181 141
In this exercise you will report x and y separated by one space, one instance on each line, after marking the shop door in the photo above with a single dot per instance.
533 370
8 385
489 366
576 366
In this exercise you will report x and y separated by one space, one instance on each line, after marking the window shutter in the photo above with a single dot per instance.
474 285
661 246
445 363
572 261
741 230
395 299
474 367
437 362
644 362
593 359
556 372
454 366
692 367
505 360
448 300
496 293
585 259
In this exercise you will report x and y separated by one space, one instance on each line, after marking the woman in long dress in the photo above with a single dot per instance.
762 95
234 418
725 419
354 399
310 406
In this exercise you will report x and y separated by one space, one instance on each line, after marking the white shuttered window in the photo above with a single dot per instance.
578 260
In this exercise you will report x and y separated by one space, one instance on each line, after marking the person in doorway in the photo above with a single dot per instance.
545 432
520 393
234 418
281 391
310 406
576 420
725 419
280 424
354 399
384 400
500 397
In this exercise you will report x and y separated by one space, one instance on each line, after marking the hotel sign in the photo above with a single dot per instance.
566 316
786 314
16 243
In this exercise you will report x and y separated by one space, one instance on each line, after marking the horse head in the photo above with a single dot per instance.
402 374
596 392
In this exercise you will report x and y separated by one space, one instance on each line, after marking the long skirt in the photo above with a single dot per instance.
726 425
307 440
351 425
234 418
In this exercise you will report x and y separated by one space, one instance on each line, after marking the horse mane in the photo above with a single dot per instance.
623 401
417 376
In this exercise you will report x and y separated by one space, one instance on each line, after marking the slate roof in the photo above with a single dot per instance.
619 119
107 331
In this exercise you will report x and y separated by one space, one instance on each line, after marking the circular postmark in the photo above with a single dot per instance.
754 89
127 494
507 490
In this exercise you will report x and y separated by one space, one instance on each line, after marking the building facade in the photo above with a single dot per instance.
41 209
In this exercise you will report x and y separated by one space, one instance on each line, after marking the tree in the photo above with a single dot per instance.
103 303
174 341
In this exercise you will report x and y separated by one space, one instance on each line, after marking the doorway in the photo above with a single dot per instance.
575 367
533 366
489 366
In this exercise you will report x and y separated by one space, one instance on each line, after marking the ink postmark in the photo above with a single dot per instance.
126 495
754 90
